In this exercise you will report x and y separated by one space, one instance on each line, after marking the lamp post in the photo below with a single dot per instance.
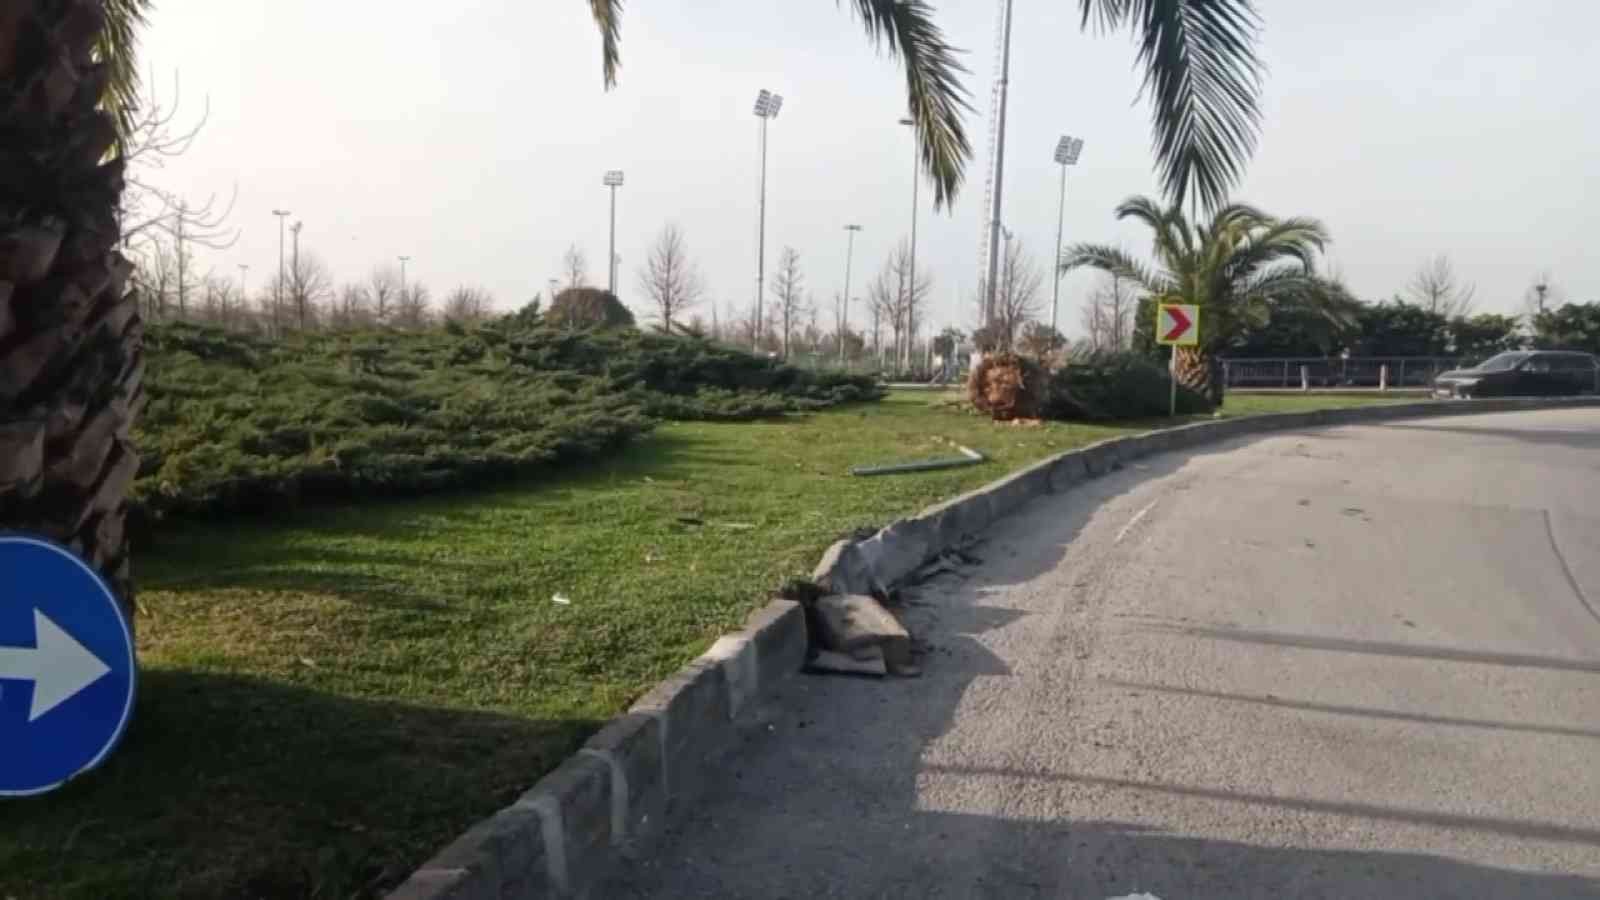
1067 150
612 180
767 106
911 291
844 315
277 303
403 261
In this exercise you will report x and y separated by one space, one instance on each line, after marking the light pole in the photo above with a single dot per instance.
767 106
403 261
277 303
844 315
612 180
911 292
1067 150
999 162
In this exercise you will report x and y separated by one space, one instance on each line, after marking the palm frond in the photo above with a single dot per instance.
934 93
117 48
935 96
608 18
1116 261
1204 81
1172 239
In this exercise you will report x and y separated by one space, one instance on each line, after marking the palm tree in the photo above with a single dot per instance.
70 335
1239 268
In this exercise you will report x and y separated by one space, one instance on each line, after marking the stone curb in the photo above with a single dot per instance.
874 565
612 797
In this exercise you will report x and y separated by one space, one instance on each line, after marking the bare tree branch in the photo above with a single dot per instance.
672 281
1434 288
788 281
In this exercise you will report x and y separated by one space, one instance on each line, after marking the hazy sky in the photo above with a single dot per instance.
472 136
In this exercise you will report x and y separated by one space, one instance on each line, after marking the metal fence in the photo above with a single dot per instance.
1336 372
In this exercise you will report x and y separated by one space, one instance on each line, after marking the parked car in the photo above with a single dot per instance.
1524 373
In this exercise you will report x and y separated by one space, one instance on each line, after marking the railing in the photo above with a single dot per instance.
1337 372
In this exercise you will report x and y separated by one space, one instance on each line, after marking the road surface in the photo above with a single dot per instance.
1358 662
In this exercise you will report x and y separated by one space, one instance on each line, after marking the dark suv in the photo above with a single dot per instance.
1524 373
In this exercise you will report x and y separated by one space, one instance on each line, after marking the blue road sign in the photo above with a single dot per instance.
67 669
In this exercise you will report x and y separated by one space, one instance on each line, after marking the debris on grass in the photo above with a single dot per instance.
561 599
968 457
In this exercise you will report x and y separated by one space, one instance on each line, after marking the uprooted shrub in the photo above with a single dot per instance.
1007 386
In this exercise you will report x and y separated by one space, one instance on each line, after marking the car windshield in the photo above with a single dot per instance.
1501 362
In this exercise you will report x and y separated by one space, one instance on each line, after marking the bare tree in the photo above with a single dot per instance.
383 290
307 284
152 140
787 283
1435 288
468 304
216 296
811 336
575 266
1017 297
155 276
1108 317
350 309
904 310
881 301
672 281
412 306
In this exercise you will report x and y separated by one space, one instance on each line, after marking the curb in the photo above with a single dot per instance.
874 565
612 797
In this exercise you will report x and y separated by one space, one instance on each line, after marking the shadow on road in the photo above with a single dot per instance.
1363 711
1379 648
827 794
1561 437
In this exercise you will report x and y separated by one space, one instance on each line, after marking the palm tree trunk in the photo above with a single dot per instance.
1201 372
71 364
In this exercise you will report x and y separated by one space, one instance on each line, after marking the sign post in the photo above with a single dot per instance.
1177 325
67 668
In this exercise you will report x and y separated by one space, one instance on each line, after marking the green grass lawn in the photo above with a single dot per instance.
329 698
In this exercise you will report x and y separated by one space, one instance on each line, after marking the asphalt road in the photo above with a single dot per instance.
1359 662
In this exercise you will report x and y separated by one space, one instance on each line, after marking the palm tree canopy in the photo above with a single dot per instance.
1239 267
1199 57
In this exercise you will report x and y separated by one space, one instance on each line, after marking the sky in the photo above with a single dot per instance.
472 136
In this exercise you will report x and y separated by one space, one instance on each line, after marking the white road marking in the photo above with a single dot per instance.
1134 521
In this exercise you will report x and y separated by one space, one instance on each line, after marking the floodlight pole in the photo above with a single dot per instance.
613 180
844 317
767 106
1066 155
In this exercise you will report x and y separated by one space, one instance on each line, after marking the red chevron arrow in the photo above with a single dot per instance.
1180 323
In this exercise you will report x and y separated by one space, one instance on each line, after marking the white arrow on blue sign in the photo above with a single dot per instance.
67 670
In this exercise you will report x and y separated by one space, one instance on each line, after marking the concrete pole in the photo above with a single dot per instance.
999 169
